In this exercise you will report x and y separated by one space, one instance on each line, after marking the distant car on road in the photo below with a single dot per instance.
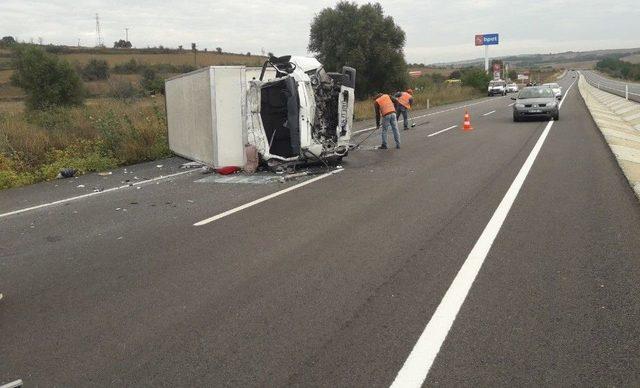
557 90
536 102
497 87
512 88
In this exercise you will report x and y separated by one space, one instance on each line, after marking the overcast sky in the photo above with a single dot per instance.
436 30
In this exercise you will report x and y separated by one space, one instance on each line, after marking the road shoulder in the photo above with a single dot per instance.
619 122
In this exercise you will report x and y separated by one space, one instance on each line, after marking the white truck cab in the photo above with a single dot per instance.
304 114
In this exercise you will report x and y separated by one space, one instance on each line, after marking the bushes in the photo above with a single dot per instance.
475 78
96 69
151 83
47 80
35 145
123 90
620 69
129 67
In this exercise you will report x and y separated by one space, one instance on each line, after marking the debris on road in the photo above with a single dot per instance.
227 170
159 165
105 173
80 186
66 173
191 165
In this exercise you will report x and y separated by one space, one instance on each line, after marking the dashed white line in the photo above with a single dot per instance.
70 199
444 130
488 113
260 200
430 114
416 368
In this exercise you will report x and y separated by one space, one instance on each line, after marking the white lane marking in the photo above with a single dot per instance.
488 113
70 199
417 366
430 114
260 200
511 104
444 130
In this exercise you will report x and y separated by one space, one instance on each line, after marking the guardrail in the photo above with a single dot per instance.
628 90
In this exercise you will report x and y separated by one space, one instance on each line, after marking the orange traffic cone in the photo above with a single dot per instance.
467 122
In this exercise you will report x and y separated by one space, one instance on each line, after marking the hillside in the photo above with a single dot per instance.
80 56
581 59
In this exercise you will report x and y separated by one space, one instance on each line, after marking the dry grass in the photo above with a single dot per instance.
105 133
440 95
632 58
185 58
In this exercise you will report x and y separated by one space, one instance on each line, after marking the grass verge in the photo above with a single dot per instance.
34 146
437 95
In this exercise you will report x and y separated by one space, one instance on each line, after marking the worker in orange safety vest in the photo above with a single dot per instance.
405 102
385 107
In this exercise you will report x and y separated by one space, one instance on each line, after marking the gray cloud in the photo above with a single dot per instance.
436 30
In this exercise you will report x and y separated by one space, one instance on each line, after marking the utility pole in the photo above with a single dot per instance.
126 33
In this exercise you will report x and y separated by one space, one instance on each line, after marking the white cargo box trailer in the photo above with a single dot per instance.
206 115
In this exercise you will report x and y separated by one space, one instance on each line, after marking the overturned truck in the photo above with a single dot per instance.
291 110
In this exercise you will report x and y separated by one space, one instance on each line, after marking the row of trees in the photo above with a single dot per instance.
620 69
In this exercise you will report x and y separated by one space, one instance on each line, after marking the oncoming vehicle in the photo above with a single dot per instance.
536 102
497 87
512 88
557 90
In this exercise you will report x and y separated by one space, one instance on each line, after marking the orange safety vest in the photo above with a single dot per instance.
404 99
385 104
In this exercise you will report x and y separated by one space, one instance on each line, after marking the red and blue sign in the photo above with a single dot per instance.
487 39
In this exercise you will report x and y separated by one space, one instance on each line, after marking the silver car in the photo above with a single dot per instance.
536 102
557 90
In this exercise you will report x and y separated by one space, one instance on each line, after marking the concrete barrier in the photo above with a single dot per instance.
619 122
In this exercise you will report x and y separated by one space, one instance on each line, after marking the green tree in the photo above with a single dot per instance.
363 38
7 41
475 78
47 80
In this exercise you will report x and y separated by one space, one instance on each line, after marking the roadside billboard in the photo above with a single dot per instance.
487 39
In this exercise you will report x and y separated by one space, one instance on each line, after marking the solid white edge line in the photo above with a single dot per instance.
488 113
416 368
70 199
268 197
443 130
430 114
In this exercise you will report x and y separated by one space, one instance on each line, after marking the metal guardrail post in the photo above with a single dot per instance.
626 92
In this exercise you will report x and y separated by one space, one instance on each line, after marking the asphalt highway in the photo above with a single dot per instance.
503 256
